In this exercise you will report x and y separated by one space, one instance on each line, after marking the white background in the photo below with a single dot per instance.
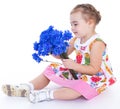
21 22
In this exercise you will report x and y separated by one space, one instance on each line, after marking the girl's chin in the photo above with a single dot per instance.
77 36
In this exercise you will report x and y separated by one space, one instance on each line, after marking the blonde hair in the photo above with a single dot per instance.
88 11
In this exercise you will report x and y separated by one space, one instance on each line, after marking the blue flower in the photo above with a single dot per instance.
35 46
51 41
37 58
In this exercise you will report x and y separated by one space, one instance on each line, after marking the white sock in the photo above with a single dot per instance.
31 86
51 94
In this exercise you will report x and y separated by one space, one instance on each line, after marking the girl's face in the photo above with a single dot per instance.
79 26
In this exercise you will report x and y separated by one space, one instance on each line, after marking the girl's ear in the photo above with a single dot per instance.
91 22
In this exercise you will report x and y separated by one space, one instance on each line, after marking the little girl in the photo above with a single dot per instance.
92 65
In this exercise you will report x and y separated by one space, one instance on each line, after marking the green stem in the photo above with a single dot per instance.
65 56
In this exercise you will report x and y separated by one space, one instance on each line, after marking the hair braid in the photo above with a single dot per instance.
88 11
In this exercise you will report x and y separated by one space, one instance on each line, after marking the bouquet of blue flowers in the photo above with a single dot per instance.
52 41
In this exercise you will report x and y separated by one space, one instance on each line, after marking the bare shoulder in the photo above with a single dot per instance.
98 48
98 44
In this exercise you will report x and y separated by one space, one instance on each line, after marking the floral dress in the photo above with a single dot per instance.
87 85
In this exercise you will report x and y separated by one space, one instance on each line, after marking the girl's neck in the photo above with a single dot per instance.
85 38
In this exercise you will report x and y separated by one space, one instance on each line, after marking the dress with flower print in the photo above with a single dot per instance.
99 81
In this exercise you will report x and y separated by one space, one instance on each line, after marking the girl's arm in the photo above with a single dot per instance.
95 60
71 47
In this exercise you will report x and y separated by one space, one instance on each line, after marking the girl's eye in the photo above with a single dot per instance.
75 24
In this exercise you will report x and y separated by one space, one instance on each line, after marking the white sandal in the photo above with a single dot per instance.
21 90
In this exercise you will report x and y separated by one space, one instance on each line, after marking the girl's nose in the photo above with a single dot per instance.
72 28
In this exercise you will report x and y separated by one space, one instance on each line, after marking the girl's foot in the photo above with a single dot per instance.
39 96
21 90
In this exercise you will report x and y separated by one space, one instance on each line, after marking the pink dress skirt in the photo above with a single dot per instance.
78 85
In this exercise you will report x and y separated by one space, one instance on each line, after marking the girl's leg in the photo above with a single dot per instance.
24 89
59 94
40 82
65 94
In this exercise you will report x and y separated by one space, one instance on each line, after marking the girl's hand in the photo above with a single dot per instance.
68 63
57 57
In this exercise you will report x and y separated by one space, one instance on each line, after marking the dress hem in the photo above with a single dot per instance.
78 85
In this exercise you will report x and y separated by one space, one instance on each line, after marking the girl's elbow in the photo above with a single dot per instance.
95 70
